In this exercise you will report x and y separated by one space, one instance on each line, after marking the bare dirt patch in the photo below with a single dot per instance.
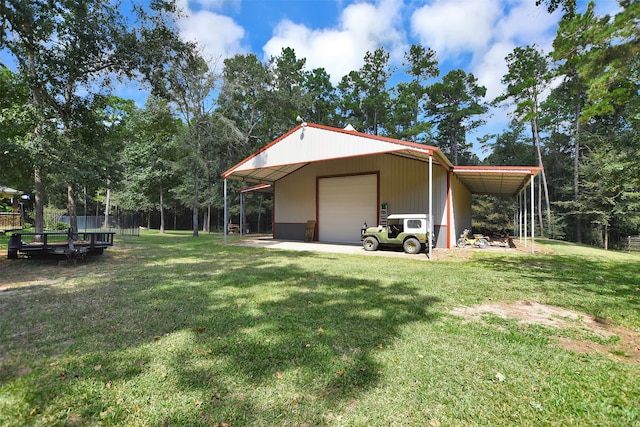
626 347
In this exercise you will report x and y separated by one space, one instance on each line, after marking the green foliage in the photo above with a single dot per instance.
365 98
456 107
604 51
16 123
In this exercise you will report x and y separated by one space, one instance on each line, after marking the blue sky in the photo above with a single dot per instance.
474 35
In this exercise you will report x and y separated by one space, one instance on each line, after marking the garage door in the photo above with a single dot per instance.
344 204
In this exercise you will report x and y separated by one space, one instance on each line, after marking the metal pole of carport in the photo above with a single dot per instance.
430 219
533 217
525 221
225 211
241 222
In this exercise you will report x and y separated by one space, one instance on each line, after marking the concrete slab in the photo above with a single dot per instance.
339 248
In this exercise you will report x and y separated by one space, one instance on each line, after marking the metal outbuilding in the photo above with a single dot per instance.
341 178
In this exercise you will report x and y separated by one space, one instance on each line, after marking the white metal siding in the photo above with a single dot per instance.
344 204
404 186
295 199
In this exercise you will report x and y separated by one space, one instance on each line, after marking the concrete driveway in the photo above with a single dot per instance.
338 248
453 254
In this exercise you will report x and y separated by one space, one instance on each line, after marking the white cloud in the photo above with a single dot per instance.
492 67
362 27
218 36
526 24
454 26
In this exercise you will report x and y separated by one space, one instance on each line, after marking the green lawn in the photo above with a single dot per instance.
176 331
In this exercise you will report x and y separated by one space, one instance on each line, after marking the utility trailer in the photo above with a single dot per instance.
71 244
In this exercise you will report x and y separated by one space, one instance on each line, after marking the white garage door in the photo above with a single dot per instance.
344 204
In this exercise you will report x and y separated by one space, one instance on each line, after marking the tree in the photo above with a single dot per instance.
455 103
510 148
150 157
525 81
322 96
405 122
16 123
349 103
243 100
374 76
561 112
607 57
364 100
568 6
598 58
191 84
287 96
46 39
610 194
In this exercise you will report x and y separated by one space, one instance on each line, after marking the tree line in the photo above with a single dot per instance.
574 111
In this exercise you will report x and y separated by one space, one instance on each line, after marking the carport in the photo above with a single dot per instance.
506 181
321 173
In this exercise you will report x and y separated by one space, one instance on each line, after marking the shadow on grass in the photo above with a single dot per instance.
252 334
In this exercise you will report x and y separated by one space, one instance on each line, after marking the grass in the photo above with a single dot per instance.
171 330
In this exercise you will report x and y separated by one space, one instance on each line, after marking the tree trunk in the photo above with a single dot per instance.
606 237
71 207
39 201
576 178
107 208
207 223
37 136
195 201
161 210
536 137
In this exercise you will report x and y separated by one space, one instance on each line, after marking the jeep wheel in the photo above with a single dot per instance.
411 245
370 244
461 243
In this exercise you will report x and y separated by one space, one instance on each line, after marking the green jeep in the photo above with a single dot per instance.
407 230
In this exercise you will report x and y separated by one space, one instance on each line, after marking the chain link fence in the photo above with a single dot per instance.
123 223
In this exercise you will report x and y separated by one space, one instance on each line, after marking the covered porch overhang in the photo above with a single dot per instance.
505 181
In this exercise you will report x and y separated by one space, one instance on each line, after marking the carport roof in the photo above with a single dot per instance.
308 143
496 180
